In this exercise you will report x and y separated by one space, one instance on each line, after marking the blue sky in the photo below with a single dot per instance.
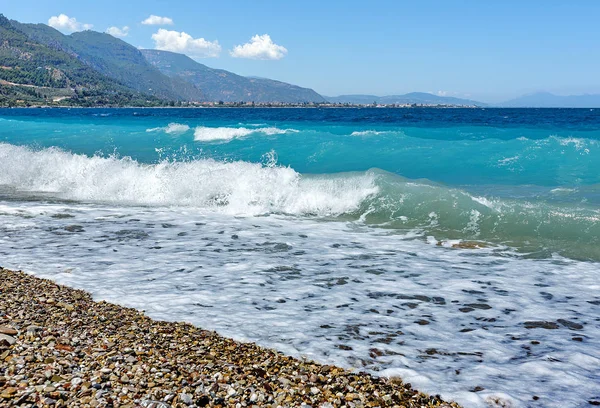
486 50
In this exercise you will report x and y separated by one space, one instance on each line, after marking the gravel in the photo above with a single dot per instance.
60 348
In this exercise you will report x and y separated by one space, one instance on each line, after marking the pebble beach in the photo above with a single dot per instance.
457 250
58 347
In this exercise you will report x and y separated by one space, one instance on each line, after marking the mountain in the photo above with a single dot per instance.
353 99
113 58
409 98
221 85
548 100
31 72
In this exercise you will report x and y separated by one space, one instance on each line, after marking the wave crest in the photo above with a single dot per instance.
367 133
171 128
239 188
374 197
210 134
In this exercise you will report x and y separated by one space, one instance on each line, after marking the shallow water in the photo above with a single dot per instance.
230 220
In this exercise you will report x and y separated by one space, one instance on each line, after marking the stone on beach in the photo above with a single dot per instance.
8 330
6 340
106 355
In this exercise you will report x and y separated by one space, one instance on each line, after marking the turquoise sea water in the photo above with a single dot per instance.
525 178
429 243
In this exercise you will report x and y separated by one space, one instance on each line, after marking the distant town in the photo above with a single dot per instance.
325 105
183 104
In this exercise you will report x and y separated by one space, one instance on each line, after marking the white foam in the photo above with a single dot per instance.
252 124
473 225
306 287
366 133
171 129
486 202
508 160
582 145
239 188
576 142
211 134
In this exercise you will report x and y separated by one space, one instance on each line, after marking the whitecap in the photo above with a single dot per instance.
508 160
239 188
366 133
211 134
171 129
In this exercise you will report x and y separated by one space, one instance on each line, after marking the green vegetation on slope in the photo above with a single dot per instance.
33 73
41 66
25 62
221 85
115 59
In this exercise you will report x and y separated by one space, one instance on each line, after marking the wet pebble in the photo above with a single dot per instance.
108 355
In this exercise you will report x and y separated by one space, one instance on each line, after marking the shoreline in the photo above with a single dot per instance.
59 347
359 107
258 107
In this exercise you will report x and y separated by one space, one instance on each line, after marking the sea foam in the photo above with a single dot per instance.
232 187
171 129
446 319
371 197
366 133
211 134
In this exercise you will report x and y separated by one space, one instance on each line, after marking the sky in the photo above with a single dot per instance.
490 51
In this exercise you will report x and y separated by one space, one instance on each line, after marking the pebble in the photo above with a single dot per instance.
106 355
33 329
67 306
186 398
7 340
8 330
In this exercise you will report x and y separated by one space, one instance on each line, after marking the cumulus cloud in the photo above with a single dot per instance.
452 93
184 43
62 22
260 47
157 20
118 32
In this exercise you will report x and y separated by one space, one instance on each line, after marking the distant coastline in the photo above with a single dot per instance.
93 69
249 106
283 106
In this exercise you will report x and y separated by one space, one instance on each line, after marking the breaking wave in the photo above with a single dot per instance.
171 128
240 188
367 133
373 197
211 134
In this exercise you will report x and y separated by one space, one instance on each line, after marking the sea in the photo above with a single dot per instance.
456 248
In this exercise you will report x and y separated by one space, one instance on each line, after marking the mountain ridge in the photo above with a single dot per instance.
222 85
31 72
545 99
404 99
41 65
113 58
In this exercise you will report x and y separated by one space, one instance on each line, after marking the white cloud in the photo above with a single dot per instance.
158 20
118 32
453 93
260 47
68 24
184 43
